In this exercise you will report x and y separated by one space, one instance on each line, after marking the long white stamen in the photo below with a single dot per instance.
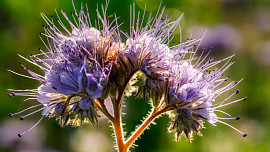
22 117
21 74
223 105
226 98
33 63
11 115
244 135
223 112
20 135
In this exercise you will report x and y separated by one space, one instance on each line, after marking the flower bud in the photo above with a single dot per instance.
60 108
85 103
155 91
76 108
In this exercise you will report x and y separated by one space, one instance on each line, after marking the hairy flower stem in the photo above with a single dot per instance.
154 114
119 135
117 122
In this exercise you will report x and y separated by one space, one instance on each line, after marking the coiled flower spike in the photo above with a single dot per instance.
76 67
192 90
147 49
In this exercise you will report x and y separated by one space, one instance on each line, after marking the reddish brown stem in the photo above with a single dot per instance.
119 135
155 113
117 122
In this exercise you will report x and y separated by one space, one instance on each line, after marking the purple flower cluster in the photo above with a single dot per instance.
76 70
88 64
192 89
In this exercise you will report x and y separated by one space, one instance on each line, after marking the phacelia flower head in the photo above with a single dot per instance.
192 90
147 49
76 69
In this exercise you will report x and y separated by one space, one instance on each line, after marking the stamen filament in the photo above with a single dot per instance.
20 134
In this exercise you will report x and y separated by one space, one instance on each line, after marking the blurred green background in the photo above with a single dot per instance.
240 27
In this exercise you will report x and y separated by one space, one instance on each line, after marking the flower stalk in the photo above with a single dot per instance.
154 114
91 64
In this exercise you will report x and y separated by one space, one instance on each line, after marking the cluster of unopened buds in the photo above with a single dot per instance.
91 65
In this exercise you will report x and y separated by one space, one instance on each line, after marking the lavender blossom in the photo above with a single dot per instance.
147 49
76 69
192 90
